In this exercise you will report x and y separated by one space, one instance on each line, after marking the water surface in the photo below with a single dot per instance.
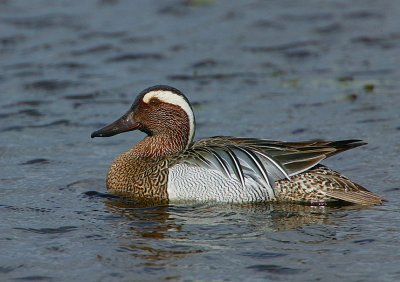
280 70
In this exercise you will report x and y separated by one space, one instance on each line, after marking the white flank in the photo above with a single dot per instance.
187 182
174 99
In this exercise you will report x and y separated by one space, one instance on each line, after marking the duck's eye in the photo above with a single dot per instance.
153 101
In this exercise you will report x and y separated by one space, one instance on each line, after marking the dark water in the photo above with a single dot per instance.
287 70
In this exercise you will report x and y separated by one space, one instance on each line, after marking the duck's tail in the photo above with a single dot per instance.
321 184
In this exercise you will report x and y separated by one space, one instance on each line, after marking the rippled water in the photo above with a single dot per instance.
285 70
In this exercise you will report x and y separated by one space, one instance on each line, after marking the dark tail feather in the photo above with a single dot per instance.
345 145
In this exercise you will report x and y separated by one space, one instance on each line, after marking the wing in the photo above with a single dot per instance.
243 158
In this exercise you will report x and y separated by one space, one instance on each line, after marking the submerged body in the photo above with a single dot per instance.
167 165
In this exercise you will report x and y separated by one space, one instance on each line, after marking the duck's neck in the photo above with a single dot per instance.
160 145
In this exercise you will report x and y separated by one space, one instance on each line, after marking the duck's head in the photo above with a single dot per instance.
159 110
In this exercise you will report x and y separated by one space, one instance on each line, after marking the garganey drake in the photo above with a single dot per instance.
167 165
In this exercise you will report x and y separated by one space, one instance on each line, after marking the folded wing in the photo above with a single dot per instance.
266 160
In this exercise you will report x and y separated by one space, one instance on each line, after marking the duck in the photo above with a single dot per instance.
167 165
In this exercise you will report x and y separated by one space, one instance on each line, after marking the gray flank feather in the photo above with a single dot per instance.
256 164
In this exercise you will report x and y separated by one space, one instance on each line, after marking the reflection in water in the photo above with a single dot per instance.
147 219
160 233
149 231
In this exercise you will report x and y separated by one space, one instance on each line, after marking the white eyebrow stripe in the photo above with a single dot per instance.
174 99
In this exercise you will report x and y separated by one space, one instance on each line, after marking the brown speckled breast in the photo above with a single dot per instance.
139 177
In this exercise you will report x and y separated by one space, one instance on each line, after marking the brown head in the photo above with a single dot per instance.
164 114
